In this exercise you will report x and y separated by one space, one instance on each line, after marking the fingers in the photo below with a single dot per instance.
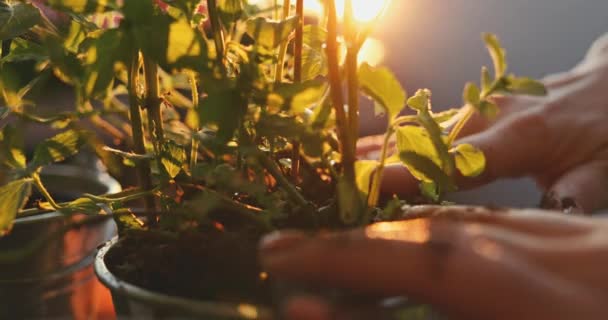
513 147
439 262
582 190
599 48
530 221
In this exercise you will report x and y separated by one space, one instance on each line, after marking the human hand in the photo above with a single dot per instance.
472 263
560 140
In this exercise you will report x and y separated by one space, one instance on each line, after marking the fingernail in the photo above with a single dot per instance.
277 242
568 205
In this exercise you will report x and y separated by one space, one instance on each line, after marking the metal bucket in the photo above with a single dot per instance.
133 302
58 280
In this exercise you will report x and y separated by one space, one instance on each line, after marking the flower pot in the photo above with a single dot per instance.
57 280
133 302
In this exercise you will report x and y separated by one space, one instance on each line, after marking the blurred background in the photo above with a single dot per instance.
436 44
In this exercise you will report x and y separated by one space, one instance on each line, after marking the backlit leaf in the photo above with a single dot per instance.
13 197
269 33
307 99
420 101
81 205
525 86
16 18
58 148
173 157
488 109
497 53
110 48
486 79
364 170
11 153
230 10
471 94
470 161
382 86
416 139
83 6
426 170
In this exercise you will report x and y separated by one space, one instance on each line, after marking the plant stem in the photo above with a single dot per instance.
469 112
336 88
153 101
218 34
351 72
143 171
350 208
195 102
374 194
45 193
278 76
276 173
297 74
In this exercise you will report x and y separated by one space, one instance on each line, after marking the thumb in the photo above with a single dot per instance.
583 189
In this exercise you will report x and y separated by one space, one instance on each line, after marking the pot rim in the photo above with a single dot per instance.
207 308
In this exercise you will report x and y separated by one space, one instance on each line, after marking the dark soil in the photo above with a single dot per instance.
208 263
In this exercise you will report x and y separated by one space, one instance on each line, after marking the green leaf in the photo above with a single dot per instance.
420 101
364 170
382 86
272 126
223 110
13 197
525 86
58 148
426 170
11 153
470 161
497 53
486 79
16 18
314 36
471 94
416 140
445 116
84 6
488 109
102 57
430 191
173 157
24 50
270 34
314 63
81 205
230 10
309 98
186 47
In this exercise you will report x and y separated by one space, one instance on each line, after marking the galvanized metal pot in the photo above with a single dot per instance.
133 302
58 280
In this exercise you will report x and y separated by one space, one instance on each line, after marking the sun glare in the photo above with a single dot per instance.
365 10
